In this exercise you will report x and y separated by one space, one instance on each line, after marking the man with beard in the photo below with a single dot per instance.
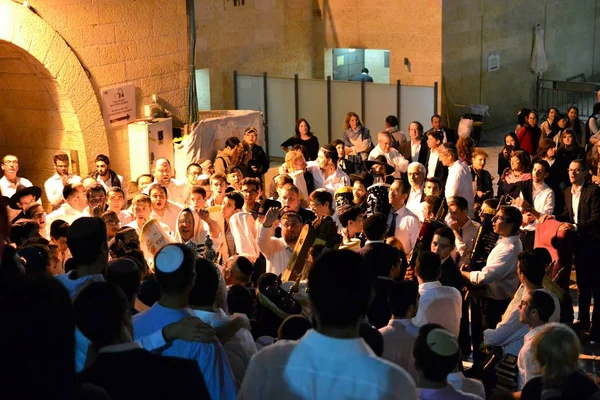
176 191
162 209
325 170
278 251
106 176
55 184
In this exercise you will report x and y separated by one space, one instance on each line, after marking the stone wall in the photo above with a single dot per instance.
471 30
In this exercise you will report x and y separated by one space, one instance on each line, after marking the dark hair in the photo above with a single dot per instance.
451 149
447 233
513 135
392 120
198 190
461 203
401 295
337 142
543 303
96 187
308 131
241 268
23 229
232 142
38 342
251 182
59 229
404 184
232 169
541 162
349 213
99 311
436 180
37 257
429 266
157 186
206 285
513 216
437 135
64 157
545 145
524 159
333 276
117 190
125 273
85 238
419 127
187 170
293 327
372 337
330 154
70 190
375 226
240 300
532 266
103 158
237 198
322 196
544 255
137 181
176 282
435 367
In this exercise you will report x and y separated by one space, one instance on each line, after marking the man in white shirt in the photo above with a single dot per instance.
10 181
464 228
330 361
278 251
55 184
416 177
72 209
177 191
498 277
404 225
393 157
162 209
535 199
535 311
400 333
438 304
106 176
510 331
325 171
174 269
414 150
460 180
141 206
434 165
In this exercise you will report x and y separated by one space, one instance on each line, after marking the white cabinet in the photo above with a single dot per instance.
147 142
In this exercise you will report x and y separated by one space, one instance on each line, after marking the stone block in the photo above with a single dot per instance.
109 74
56 56
15 66
25 29
98 34
89 113
82 13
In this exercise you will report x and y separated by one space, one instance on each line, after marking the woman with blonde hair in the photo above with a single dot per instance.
556 349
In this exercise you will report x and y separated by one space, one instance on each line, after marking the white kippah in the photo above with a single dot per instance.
169 259
442 342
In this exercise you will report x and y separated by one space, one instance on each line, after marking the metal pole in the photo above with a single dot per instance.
329 109
235 91
296 97
435 98
398 98
362 102
266 113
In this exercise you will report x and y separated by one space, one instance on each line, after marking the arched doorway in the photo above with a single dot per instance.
46 100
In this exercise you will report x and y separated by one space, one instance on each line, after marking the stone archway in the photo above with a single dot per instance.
47 102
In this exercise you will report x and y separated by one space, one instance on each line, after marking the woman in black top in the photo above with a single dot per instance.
304 137
510 139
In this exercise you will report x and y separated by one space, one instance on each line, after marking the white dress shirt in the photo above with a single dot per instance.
576 195
510 331
239 349
275 250
415 149
543 202
333 182
464 243
393 158
138 229
439 304
466 385
169 217
500 272
399 337
460 183
322 367
432 163
528 366
54 187
413 203
108 184
407 228
177 191
8 188
64 212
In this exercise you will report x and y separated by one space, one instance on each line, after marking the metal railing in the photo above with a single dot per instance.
564 94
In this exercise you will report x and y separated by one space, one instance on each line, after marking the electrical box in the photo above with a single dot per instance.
149 140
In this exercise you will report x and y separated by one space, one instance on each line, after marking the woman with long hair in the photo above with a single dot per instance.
519 171
557 172
510 139
529 135
357 139
305 137
549 127
575 123
569 150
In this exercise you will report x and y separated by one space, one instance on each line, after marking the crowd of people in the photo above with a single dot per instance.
364 269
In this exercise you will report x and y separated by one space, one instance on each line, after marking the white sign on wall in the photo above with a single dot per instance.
493 61
118 105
